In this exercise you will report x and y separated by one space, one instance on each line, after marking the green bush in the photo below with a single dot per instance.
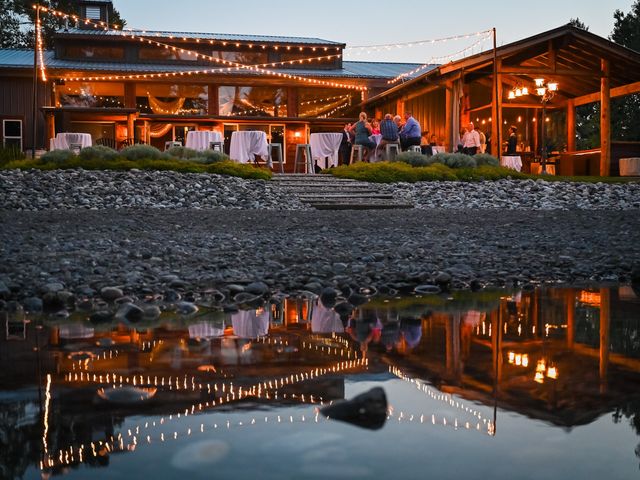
390 172
58 156
142 152
98 152
455 160
486 159
415 159
182 152
242 170
211 156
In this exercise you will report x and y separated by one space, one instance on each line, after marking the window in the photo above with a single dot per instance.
93 13
172 99
326 102
12 133
252 101
90 94
94 53
158 53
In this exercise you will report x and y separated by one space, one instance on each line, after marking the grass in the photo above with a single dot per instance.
392 172
224 167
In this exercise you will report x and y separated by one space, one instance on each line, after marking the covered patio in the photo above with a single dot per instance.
501 88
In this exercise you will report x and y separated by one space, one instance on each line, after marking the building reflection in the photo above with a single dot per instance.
564 356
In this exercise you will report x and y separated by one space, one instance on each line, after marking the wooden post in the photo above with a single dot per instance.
130 95
213 105
571 125
496 111
51 128
292 102
130 126
571 318
604 335
448 128
605 121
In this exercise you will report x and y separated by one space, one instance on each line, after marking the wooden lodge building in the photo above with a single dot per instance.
153 87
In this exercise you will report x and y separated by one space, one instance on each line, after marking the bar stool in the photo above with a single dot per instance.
303 148
75 147
278 149
391 147
415 149
360 150
168 145
216 147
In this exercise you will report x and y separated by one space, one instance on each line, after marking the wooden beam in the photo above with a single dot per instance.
496 112
420 91
448 116
605 120
213 105
547 71
614 92
571 126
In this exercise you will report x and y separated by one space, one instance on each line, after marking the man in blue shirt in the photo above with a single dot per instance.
411 132
389 132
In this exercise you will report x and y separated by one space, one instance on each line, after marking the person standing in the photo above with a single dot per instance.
512 145
345 145
411 132
471 141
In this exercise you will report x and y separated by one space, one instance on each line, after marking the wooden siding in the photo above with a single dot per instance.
16 101
429 109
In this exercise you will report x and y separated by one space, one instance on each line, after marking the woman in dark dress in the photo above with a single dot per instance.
513 140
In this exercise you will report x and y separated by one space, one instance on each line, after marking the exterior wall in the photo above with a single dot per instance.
429 109
16 102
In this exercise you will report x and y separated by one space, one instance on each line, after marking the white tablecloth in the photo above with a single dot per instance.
438 149
325 146
244 145
63 141
513 162
200 140
376 155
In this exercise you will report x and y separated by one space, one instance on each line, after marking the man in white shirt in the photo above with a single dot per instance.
471 141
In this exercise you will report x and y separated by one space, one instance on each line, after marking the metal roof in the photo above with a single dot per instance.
364 70
231 37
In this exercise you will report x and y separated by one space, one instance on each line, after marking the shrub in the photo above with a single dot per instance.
389 172
98 152
436 172
242 170
486 159
142 152
456 160
211 156
58 156
415 159
182 152
10 154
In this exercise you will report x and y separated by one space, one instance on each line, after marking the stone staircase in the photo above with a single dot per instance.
326 192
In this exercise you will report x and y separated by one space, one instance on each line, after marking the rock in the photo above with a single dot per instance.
357 299
111 294
428 289
101 316
257 288
328 297
367 410
152 312
130 312
33 304
5 292
186 308
344 308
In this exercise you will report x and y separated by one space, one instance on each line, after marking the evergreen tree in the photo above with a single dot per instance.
17 17
625 111
578 24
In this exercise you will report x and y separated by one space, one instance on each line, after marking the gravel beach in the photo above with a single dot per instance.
155 232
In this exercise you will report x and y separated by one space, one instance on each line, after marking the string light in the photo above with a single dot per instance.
418 43
443 59
39 46
253 68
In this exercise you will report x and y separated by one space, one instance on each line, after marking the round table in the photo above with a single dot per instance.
325 146
201 140
64 141
246 144
513 162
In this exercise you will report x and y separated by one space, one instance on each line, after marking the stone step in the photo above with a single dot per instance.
355 186
340 196
361 206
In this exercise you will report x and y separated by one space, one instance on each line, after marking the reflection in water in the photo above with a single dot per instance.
75 394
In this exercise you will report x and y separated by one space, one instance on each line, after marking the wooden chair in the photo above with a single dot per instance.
106 142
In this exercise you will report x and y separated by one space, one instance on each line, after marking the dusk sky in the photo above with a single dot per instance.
367 23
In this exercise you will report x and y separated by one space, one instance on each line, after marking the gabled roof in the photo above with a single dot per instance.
230 37
365 70
577 49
